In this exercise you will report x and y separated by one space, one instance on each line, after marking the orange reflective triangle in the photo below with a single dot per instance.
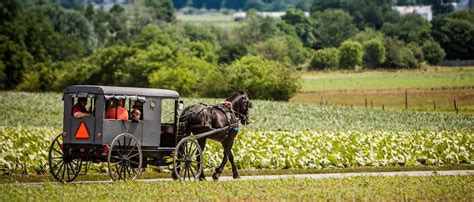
82 132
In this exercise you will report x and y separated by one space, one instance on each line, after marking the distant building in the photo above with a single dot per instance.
240 16
424 11
464 4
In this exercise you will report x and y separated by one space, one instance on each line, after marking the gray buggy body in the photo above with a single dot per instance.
149 131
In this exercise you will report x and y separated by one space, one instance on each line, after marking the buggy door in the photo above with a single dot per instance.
81 130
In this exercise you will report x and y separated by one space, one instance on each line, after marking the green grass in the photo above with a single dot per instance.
438 100
353 188
431 78
162 173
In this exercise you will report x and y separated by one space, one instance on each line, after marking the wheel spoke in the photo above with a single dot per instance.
136 163
64 165
130 152
133 155
60 162
191 169
58 151
118 158
67 172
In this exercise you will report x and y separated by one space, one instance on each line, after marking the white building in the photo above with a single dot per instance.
424 11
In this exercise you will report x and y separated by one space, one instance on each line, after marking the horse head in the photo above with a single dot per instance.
240 105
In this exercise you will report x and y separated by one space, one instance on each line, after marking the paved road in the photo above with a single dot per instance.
305 176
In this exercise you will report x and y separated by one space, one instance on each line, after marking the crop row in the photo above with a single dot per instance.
45 109
24 150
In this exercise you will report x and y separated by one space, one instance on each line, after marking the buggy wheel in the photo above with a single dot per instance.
124 160
187 160
63 168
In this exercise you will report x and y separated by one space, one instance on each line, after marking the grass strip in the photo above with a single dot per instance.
352 188
150 174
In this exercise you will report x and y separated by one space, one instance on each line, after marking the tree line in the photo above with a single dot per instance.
45 47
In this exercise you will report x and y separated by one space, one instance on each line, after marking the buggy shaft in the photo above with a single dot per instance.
209 133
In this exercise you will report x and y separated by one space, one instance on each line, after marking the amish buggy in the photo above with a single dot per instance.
130 128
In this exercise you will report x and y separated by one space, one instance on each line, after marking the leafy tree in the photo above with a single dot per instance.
199 33
412 28
455 34
188 76
368 34
214 4
262 79
326 58
350 54
15 58
163 10
399 55
301 25
232 51
334 27
282 49
235 4
432 52
257 29
203 50
198 3
374 53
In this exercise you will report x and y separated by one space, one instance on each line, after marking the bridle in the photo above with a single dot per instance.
240 116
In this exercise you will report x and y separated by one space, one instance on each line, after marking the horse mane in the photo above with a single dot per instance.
234 94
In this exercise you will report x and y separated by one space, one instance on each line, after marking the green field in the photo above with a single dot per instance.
209 18
430 78
281 136
353 188
45 110
430 89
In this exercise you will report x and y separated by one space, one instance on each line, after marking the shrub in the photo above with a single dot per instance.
262 79
433 52
327 58
398 55
350 54
374 53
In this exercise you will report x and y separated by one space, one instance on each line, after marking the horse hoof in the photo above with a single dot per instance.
215 177
202 179
236 177
174 176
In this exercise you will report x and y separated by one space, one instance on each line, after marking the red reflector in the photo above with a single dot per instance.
82 132
106 149
81 150
61 146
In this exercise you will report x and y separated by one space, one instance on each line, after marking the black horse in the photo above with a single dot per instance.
200 118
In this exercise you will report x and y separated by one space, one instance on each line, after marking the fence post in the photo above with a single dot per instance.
371 104
434 105
456 107
406 100
365 102
383 107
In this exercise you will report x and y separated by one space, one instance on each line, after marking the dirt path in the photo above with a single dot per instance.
301 176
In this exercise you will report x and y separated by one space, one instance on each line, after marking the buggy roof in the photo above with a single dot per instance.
116 90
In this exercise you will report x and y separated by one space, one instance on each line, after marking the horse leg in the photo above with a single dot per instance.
235 174
219 169
202 144
227 145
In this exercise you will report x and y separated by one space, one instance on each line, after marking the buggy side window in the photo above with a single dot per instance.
167 111
116 108
83 107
